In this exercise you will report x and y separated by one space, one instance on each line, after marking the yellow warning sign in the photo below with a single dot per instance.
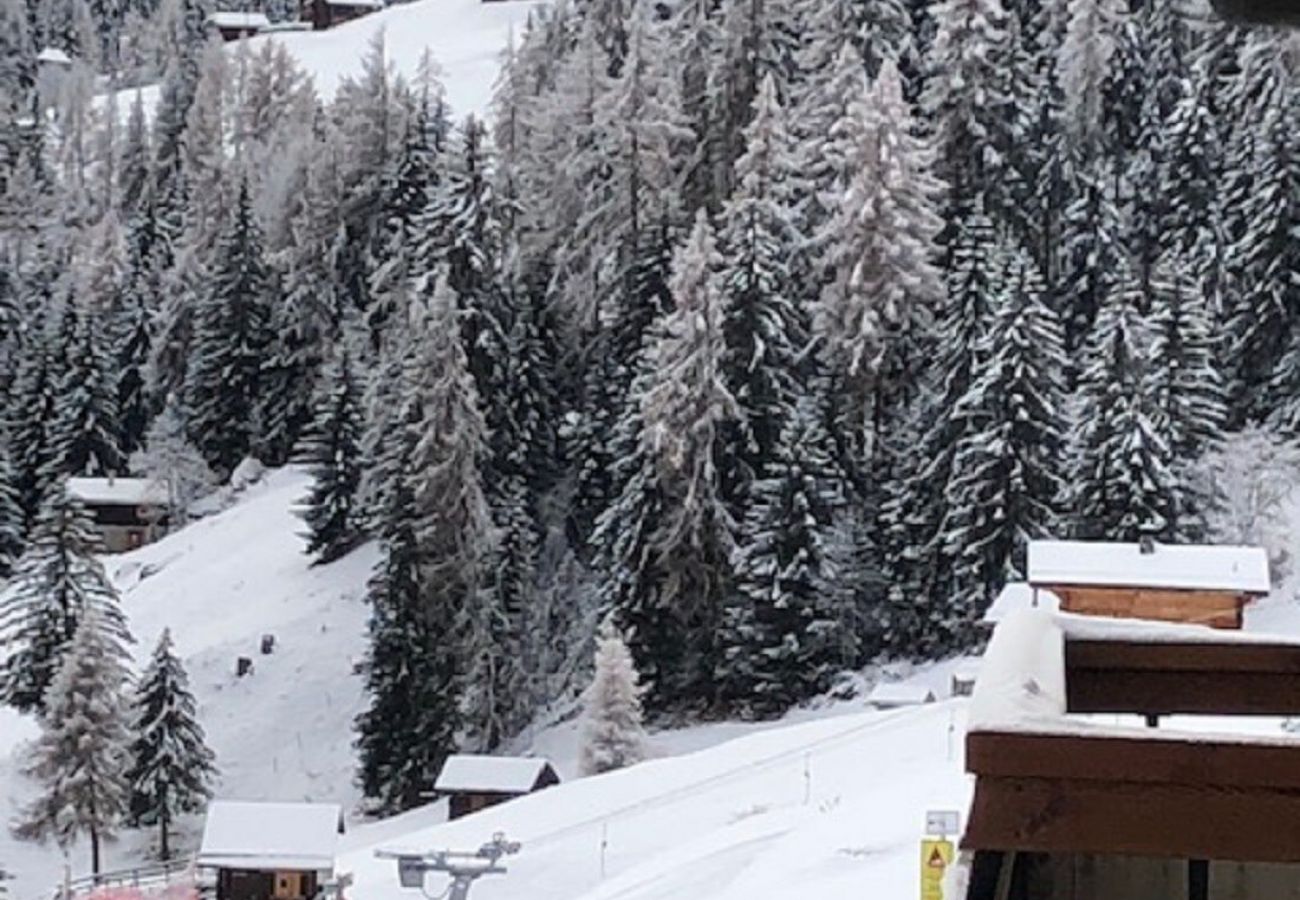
936 856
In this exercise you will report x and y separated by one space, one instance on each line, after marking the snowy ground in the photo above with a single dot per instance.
724 812
283 733
466 37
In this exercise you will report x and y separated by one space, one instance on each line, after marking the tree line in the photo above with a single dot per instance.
769 332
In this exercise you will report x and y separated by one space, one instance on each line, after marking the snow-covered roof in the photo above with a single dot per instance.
268 836
1018 595
54 56
243 21
359 4
119 491
894 693
1187 566
490 774
1022 682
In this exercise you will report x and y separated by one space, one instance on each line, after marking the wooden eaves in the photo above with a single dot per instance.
1044 785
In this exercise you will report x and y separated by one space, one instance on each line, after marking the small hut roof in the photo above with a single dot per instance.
271 836
490 774
1181 567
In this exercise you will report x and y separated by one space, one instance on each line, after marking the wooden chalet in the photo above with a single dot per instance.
233 25
270 851
1070 805
1207 585
323 14
128 512
477 782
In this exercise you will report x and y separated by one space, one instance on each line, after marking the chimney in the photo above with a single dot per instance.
1146 546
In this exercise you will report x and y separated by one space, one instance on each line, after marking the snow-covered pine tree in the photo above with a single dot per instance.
172 769
57 584
667 538
612 733
1264 304
81 758
12 524
1122 487
331 450
1090 244
764 324
789 628
881 258
169 459
1185 361
84 436
31 414
231 334
1009 465
453 526
132 331
972 126
1092 35
410 724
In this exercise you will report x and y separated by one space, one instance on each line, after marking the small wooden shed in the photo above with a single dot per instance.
324 14
270 851
1072 805
233 25
894 695
1206 585
128 512
477 782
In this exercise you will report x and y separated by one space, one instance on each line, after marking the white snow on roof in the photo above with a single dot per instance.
491 774
245 21
1018 595
119 491
893 693
263 836
1189 567
1022 688
359 4
54 55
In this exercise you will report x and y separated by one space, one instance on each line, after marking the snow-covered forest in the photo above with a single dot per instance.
765 330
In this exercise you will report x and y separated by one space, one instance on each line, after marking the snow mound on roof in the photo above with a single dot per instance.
119 491
1018 595
491 774
1188 567
269 836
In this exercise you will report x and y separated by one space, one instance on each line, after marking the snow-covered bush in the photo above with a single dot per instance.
1250 479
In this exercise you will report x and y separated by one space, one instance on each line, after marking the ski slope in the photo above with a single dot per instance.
831 808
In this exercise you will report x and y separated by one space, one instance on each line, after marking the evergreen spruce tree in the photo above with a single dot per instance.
12 526
1123 487
667 539
231 335
789 629
84 437
764 325
57 584
81 757
172 769
410 725
332 452
612 734
1185 360
1009 464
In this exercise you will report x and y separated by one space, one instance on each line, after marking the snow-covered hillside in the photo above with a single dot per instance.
831 809
220 584
466 37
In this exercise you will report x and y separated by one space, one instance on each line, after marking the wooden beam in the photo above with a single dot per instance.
1173 821
1209 764
1161 679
